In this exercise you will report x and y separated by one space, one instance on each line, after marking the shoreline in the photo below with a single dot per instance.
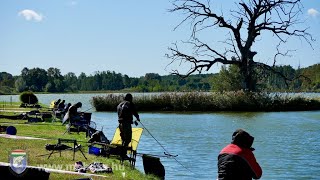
32 138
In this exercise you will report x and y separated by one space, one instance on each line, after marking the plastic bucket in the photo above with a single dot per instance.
94 150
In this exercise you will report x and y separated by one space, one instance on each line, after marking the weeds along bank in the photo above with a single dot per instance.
211 102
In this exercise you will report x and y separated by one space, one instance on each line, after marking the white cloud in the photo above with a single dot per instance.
30 15
312 12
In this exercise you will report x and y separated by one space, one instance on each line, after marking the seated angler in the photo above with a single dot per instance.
237 161
56 103
73 115
61 105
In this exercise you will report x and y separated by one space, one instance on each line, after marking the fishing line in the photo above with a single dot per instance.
166 151
89 109
154 138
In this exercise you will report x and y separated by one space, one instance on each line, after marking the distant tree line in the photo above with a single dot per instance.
228 79
51 80
302 79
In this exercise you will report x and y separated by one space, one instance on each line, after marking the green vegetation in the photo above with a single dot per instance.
28 98
211 102
229 79
6 105
302 80
53 131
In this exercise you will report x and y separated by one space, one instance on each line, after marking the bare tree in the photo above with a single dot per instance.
248 21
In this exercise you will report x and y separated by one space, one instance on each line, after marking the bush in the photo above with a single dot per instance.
107 103
211 102
28 98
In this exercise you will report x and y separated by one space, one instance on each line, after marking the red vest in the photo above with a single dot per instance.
245 154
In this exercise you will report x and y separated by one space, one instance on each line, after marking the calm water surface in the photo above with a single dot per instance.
287 143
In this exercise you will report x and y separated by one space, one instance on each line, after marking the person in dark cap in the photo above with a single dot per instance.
56 103
61 105
66 108
237 161
73 112
126 110
72 115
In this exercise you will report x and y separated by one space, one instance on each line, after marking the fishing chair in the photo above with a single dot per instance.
83 125
115 147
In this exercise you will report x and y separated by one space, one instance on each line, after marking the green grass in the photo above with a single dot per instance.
53 131
9 105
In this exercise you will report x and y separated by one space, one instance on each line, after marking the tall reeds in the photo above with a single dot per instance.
210 102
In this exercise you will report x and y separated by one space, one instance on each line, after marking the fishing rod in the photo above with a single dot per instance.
154 155
166 151
89 109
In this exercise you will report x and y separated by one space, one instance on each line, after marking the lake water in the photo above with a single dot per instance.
287 143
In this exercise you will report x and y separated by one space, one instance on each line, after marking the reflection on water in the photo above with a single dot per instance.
287 143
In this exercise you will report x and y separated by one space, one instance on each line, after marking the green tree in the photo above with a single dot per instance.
112 81
49 87
20 84
126 81
82 81
97 84
55 80
70 79
228 79
54 73
313 81
152 82
6 79
59 85
35 78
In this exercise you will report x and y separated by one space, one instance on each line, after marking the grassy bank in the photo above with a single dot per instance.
53 131
211 102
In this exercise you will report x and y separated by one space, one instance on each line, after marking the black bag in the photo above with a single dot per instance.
51 147
98 136
153 165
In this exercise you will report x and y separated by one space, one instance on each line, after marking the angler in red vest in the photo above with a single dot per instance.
237 161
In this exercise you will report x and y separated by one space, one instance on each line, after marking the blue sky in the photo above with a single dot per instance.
128 37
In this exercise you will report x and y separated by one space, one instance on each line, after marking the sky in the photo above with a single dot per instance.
128 37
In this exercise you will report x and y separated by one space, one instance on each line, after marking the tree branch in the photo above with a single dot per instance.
197 64
253 17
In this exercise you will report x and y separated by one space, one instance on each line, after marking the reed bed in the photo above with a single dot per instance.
211 102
